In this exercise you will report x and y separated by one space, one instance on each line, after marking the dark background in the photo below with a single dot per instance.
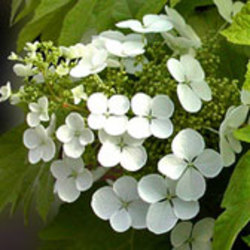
13 234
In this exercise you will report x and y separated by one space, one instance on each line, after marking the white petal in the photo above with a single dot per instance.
201 245
114 47
203 229
66 189
188 99
35 155
75 121
202 90
96 121
238 116
129 24
181 233
209 163
64 134
172 166
226 152
84 180
141 104
86 137
133 48
97 103
107 138
152 188
81 70
138 212
160 218
192 67
73 148
188 144
118 105
33 119
109 155
48 151
126 188
133 158
191 186
31 139
176 70
162 106
185 210
60 170
139 127
105 203
234 143
131 141
120 221
162 128
116 125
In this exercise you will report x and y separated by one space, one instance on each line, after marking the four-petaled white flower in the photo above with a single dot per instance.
40 144
72 178
94 61
122 45
123 149
150 24
188 35
229 145
23 70
121 205
152 116
189 164
5 92
166 208
192 87
108 114
74 135
186 236
78 94
39 112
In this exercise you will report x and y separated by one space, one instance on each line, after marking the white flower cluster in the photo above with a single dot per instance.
118 128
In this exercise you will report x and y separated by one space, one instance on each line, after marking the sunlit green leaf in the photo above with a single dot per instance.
236 201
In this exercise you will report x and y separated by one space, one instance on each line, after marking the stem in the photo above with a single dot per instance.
212 130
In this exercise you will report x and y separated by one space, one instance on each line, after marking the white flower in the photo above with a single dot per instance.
23 70
166 208
123 149
152 116
182 27
94 61
189 163
245 97
76 51
74 135
108 114
5 92
78 94
72 178
185 236
150 24
228 8
121 205
16 97
40 144
192 87
235 117
39 112
122 45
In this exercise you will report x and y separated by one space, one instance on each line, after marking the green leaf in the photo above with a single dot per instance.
247 240
20 182
236 201
246 84
174 2
15 5
76 22
243 134
43 17
76 227
239 31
